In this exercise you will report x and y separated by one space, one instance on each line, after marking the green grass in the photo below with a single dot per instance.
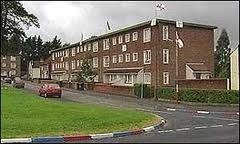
24 114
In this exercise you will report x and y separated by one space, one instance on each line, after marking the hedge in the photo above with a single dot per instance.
191 95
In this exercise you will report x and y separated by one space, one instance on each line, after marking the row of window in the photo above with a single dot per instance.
12 65
12 58
5 73
106 43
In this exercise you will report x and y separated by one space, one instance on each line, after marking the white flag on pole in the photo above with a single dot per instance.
179 42
161 6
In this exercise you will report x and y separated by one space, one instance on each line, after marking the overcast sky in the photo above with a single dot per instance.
69 19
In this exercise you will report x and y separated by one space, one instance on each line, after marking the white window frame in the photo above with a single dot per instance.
95 46
145 34
4 65
53 58
119 58
145 78
89 47
63 52
114 41
165 75
127 37
63 64
105 44
73 64
135 56
120 39
12 58
134 36
73 51
128 79
60 53
147 56
114 59
13 65
165 33
95 62
60 65
4 57
66 65
85 47
67 53
77 49
78 63
53 67
127 57
106 63
124 48
81 48
165 55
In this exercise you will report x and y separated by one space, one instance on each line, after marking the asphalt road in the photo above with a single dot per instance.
181 126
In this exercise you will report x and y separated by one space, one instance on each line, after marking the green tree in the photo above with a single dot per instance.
56 43
66 44
87 73
222 56
13 19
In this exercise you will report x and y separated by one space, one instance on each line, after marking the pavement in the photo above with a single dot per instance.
205 124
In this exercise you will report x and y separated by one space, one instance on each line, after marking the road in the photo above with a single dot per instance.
180 127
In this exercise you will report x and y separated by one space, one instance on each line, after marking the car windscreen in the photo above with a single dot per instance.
53 85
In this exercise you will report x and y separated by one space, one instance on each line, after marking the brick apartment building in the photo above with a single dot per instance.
141 53
10 66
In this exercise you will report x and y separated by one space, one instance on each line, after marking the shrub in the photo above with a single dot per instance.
166 93
147 90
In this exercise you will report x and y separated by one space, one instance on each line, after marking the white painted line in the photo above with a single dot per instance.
231 124
216 118
203 112
17 140
182 129
214 126
98 136
148 129
170 109
201 127
152 111
165 131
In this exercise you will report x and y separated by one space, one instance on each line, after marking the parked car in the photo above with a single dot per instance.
50 90
18 83
8 80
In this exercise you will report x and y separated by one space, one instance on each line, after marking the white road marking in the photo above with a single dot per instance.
203 112
216 118
165 131
170 109
214 126
201 127
231 124
153 111
182 129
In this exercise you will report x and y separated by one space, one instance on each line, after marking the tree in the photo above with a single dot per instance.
56 43
13 17
66 44
222 56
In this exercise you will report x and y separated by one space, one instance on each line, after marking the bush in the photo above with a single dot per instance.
166 93
148 92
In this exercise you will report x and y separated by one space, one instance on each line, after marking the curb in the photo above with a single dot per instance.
64 139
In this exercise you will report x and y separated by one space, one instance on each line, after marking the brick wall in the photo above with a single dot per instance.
203 84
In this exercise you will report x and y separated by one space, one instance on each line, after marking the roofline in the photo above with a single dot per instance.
133 27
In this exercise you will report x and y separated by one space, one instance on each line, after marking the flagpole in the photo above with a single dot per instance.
176 83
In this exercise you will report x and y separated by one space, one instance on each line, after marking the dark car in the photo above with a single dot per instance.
50 90
18 83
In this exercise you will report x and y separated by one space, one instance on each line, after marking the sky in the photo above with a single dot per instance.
68 19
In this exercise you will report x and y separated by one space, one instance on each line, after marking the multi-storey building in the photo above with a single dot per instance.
10 66
145 52
45 68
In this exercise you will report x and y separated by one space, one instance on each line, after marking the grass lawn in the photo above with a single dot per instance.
24 114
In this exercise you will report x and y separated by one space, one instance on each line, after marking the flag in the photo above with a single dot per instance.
81 39
179 42
108 26
161 6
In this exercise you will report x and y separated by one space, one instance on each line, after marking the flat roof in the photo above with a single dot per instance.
133 27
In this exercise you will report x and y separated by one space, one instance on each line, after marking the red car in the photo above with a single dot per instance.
50 90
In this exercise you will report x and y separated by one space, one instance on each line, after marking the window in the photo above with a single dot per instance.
95 62
127 37
165 56
81 49
135 36
53 67
56 65
67 53
73 64
63 53
60 53
135 56
127 59
81 62
120 39
13 72
147 56
73 51
4 57
198 76
13 65
85 48
114 41
120 58
165 77
63 64
60 65
105 44
128 79
114 59
95 78
13 58
66 65
106 61
4 64
89 46
147 35
165 32
56 54
78 63
95 46
124 48
53 56
147 78
77 49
